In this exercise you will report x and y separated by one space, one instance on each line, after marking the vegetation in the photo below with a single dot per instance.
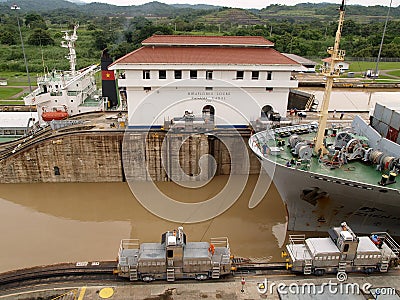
304 29
7 93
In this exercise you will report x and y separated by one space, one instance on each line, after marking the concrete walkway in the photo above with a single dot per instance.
290 286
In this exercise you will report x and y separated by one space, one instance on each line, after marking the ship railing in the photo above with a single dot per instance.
297 238
129 244
389 241
220 242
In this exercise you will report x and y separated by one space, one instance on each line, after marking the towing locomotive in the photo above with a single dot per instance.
343 251
174 258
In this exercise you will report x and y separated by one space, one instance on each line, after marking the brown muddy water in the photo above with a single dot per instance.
68 222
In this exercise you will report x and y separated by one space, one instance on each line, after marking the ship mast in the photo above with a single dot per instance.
337 55
71 39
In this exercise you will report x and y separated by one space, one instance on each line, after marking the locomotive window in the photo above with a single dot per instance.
170 253
346 248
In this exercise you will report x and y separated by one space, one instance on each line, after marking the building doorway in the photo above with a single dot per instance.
266 111
208 113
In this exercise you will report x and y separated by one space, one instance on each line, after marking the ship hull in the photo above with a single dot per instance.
316 202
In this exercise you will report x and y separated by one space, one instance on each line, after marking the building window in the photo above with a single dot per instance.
209 75
193 74
209 88
269 75
146 74
239 74
162 74
255 75
178 74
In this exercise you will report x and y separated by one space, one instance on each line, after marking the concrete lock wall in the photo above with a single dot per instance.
115 157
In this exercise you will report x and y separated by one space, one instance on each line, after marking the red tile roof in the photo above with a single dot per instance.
255 41
205 55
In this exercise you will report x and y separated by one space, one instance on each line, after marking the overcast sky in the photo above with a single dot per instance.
250 3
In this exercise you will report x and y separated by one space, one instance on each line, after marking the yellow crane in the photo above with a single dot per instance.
330 73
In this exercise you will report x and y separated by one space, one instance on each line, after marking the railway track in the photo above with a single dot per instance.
63 276
56 274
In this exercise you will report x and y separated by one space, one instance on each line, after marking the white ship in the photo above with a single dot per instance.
329 175
61 94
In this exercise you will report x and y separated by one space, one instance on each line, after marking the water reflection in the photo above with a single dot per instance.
50 223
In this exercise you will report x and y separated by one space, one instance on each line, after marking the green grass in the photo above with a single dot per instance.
8 93
12 102
394 73
362 66
18 78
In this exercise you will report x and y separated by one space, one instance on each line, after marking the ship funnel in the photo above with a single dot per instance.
109 88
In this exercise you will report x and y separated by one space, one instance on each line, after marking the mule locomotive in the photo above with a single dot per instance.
343 251
174 258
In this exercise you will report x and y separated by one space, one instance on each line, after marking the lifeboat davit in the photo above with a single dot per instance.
56 114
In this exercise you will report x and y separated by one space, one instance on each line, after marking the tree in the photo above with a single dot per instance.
7 37
40 37
35 21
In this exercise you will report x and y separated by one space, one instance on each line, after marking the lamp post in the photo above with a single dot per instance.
16 7
381 45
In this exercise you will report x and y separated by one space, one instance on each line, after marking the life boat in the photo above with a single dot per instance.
56 114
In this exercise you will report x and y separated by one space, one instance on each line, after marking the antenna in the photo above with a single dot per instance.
71 39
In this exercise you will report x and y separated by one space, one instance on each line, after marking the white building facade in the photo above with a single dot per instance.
230 80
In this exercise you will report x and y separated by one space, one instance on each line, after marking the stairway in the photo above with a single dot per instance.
133 274
342 266
216 270
170 274
307 267
384 266
311 103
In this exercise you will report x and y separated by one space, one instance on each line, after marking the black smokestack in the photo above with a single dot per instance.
109 88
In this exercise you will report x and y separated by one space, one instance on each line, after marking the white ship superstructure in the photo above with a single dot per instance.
61 94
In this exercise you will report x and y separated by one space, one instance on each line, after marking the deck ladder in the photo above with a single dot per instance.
307 267
216 270
171 274
342 266
133 274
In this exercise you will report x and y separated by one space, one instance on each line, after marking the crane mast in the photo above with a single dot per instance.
330 73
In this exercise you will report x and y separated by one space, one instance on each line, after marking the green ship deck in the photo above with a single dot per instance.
355 170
